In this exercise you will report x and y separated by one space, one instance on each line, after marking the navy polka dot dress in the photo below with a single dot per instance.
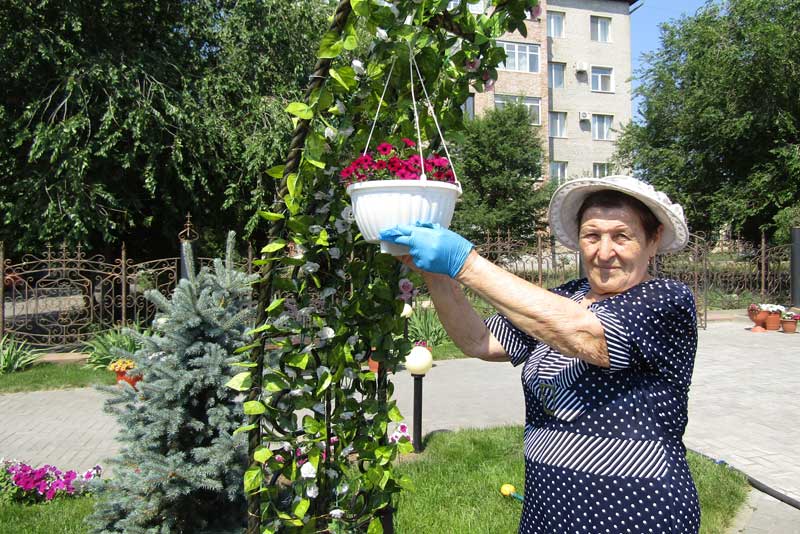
603 447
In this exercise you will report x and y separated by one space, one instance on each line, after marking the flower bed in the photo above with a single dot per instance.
22 482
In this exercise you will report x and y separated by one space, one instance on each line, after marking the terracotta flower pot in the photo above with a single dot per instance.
373 365
122 376
773 321
789 326
761 318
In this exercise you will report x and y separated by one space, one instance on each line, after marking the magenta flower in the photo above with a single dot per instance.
409 143
384 149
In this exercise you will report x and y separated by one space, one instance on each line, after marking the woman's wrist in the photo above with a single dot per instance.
465 274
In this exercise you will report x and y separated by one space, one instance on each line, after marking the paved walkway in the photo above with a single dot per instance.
744 408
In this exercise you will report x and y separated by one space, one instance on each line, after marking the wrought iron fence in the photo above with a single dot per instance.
62 298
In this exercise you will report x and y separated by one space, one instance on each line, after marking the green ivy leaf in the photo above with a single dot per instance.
346 77
276 384
375 526
240 382
244 428
300 109
293 184
297 360
330 46
394 415
406 483
360 7
301 508
274 246
322 238
276 171
252 479
262 454
244 364
324 383
254 407
270 216
274 304
311 425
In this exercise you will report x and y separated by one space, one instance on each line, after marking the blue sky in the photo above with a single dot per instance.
645 22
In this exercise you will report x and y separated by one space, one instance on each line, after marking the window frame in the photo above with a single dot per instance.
563 16
503 66
611 79
561 179
607 131
606 165
521 100
592 18
550 123
550 75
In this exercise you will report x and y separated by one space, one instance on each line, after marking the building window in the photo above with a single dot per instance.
603 79
468 108
601 127
520 57
600 170
477 8
556 78
555 24
558 124
531 103
601 29
558 171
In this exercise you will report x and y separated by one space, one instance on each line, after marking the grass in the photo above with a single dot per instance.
61 516
457 479
54 376
459 475
447 351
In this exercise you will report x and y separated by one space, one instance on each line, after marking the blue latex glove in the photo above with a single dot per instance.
433 248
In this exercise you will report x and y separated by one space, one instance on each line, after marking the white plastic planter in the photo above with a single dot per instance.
381 204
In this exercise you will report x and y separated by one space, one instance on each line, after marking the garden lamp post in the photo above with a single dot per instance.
418 362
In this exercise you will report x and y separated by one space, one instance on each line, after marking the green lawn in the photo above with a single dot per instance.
447 351
457 479
54 376
61 516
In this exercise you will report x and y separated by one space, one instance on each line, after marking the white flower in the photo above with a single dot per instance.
312 491
352 340
346 416
308 470
341 225
347 214
340 107
358 67
335 253
326 332
381 34
330 133
310 267
160 322
315 229
337 513
346 132
343 489
407 311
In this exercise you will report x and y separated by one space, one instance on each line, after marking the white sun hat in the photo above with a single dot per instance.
569 197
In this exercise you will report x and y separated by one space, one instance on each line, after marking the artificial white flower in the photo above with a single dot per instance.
341 225
381 34
358 67
310 267
337 513
308 470
346 132
347 214
330 133
326 332
312 491
327 292
343 489
407 311
335 253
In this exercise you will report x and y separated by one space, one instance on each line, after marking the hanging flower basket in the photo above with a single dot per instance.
397 185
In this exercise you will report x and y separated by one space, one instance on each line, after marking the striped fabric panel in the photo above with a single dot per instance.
566 405
596 455
616 340
516 343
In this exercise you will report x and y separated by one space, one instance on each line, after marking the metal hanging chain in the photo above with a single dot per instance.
378 111
435 121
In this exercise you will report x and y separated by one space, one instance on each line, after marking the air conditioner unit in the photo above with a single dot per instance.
584 116
581 67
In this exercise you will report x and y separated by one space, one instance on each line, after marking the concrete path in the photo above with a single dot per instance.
744 408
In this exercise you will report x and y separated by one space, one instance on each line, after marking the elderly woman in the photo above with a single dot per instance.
606 360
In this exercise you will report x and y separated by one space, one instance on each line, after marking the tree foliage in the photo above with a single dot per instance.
119 118
500 163
720 114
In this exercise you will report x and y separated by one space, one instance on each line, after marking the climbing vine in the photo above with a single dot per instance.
318 419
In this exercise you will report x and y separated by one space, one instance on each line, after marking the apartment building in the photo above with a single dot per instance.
572 71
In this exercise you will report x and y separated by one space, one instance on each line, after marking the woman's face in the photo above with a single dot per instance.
615 249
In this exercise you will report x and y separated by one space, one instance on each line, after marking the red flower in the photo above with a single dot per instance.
380 164
409 143
385 148
346 172
395 164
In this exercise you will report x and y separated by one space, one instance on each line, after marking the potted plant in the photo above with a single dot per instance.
773 320
397 184
789 322
756 314
121 368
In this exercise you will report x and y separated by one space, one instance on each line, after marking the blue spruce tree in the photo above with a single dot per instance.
181 466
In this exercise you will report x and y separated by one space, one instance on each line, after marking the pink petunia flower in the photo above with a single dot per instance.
385 148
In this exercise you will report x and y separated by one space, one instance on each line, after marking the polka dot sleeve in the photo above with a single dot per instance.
655 325
517 344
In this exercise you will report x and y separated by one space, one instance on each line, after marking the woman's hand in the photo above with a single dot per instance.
432 248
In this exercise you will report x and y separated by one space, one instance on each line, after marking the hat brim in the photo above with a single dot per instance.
569 197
